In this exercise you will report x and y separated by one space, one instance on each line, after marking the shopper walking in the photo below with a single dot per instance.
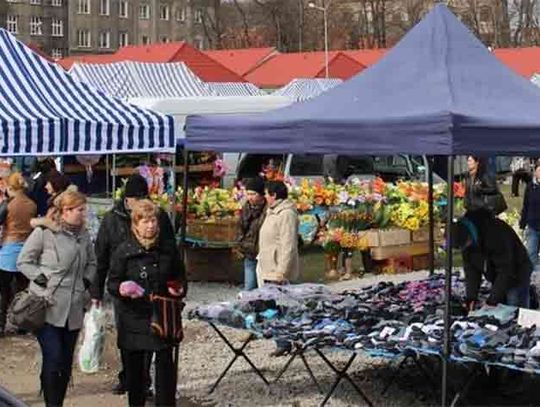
115 229
251 219
530 216
278 237
481 191
17 212
58 258
521 172
145 265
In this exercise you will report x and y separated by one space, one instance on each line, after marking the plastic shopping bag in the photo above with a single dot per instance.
94 336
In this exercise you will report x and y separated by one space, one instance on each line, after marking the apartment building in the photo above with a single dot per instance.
70 27
41 23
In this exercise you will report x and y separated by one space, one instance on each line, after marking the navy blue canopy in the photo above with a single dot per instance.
438 91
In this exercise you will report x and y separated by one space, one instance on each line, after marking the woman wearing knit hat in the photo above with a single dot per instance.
251 220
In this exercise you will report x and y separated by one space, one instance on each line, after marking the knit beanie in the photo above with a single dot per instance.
136 187
255 184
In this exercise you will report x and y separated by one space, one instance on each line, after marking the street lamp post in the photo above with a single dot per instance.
324 11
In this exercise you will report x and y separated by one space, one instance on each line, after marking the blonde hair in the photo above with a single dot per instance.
16 182
143 209
69 199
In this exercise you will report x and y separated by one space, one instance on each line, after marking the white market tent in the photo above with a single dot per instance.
180 108
235 89
300 90
130 79
45 111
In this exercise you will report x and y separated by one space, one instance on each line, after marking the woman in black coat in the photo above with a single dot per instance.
481 189
143 266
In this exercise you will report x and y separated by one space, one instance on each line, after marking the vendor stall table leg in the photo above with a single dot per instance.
340 375
299 352
414 357
238 352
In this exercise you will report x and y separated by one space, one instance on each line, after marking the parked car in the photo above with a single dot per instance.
338 167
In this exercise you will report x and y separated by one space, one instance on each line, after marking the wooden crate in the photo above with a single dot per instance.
223 230
420 262
422 234
388 237
216 265
411 249
394 265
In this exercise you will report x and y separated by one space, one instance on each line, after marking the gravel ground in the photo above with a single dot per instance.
204 355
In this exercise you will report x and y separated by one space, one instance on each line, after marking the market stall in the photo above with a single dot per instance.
439 91
300 90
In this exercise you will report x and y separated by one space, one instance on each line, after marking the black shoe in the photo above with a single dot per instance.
119 389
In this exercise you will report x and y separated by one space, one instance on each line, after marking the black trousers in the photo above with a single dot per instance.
10 284
122 377
517 177
165 378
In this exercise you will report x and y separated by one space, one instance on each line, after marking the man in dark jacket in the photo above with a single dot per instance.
530 216
251 220
115 229
492 248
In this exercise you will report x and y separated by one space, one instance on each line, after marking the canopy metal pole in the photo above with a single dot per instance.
448 280
431 216
113 175
107 176
183 225
173 184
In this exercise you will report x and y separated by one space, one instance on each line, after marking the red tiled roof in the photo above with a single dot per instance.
366 57
282 68
524 61
37 49
242 60
68 62
201 64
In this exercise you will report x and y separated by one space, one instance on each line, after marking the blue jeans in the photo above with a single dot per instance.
519 296
57 348
532 238
250 274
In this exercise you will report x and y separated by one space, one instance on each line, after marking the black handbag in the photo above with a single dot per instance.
166 320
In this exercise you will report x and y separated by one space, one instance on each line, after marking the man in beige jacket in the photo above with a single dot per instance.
278 238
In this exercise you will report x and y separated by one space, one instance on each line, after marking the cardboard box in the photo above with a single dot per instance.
222 230
411 249
388 237
422 234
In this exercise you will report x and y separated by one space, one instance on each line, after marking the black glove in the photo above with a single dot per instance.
41 280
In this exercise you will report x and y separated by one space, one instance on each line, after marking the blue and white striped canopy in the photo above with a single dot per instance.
45 111
235 89
131 79
300 90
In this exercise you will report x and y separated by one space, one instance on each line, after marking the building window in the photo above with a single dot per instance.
199 16
164 12
83 38
57 28
144 12
35 2
165 39
84 7
105 39
199 43
12 24
145 40
123 9
36 24
180 14
56 3
56 53
123 39
104 7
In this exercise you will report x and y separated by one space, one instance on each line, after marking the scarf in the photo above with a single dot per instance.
147 243
73 229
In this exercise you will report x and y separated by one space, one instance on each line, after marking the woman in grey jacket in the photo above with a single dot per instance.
59 253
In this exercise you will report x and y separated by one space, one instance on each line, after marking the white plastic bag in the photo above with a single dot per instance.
94 336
